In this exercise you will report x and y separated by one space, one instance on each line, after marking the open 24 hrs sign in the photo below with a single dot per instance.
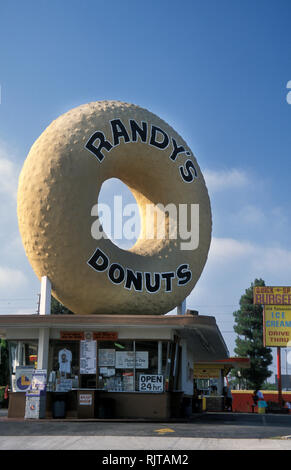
151 383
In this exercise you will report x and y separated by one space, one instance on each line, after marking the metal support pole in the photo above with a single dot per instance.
181 308
279 376
45 309
45 296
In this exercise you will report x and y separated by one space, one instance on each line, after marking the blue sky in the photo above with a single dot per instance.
216 71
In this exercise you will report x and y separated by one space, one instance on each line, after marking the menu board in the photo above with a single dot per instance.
106 357
64 385
88 351
125 360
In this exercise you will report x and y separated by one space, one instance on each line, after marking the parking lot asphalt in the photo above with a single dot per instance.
206 431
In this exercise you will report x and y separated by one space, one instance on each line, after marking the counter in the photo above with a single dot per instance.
100 404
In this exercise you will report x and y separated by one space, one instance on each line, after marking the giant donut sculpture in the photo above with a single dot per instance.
59 184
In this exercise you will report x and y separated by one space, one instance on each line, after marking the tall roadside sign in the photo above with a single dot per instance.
276 320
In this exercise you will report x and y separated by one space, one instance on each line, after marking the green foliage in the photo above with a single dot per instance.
249 342
4 365
268 386
59 309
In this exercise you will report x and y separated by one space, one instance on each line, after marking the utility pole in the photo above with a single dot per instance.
279 376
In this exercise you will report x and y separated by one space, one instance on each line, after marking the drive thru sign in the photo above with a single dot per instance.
277 325
277 320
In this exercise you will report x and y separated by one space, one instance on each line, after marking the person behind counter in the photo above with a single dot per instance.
213 390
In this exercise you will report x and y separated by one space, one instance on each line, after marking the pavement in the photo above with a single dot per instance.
206 431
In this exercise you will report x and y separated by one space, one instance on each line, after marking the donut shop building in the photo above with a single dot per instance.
110 366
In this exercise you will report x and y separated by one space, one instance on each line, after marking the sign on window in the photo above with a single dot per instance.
125 360
151 383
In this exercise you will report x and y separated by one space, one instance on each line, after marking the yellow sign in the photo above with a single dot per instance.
277 325
207 372
269 295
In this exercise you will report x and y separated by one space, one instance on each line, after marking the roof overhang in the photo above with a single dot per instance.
226 364
97 321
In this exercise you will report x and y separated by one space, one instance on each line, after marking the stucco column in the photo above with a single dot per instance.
43 348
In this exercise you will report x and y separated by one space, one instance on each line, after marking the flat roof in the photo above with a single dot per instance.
57 321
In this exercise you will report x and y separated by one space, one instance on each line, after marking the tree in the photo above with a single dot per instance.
57 308
4 363
249 342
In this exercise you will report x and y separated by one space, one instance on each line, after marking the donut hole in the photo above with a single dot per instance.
119 213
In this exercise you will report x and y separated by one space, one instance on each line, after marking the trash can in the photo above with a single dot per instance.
197 405
59 406
186 407
106 408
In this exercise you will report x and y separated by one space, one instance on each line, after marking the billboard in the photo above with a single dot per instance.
270 295
277 325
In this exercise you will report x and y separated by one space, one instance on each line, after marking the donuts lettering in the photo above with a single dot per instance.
59 184
118 274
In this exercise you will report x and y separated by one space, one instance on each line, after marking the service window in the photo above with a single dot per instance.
134 366
116 366
22 353
150 366
63 370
